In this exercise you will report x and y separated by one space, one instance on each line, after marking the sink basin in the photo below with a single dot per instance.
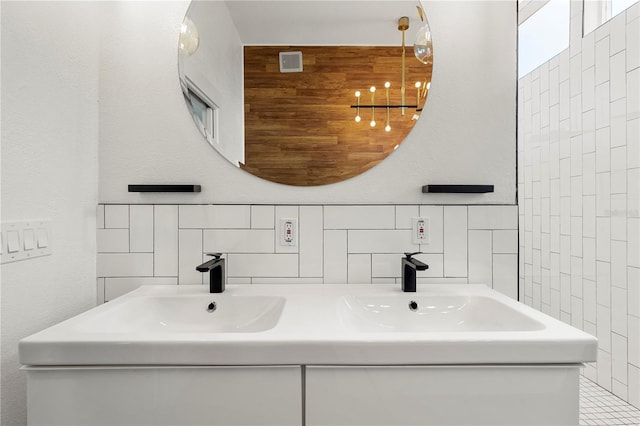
437 313
187 314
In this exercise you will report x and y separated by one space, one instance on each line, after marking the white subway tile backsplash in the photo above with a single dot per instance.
245 280
619 310
619 264
633 94
603 194
116 216
380 241
239 241
436 227
455 245
603 328
480 257
634 385
603 283
310 228
633 143
505 241
125 265
335 256
604 369
576 277
404 215
493 217
602 60
589 258
359 269
190 255
100 291
633 193
589 301
263 217
389 265
505 274
215 216
618 79
589 216
633 341
588 50
112 240
165 240
602 105
633 244
618 28
100 216
359 217
141 228
633 292
633 45
281 280
262 265
619 358
576 312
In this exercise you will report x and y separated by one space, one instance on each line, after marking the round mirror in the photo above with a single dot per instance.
305 93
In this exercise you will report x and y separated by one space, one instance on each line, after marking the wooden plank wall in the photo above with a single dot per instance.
299 127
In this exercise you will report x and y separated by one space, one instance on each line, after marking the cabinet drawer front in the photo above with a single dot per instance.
165 396
442 395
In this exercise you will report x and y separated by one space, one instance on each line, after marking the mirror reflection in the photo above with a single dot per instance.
305 93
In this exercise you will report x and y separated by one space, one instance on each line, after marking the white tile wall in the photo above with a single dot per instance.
337 244
590 181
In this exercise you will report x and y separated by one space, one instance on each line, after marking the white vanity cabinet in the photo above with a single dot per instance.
173 395
442 395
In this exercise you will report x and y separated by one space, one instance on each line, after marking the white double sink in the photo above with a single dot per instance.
310 324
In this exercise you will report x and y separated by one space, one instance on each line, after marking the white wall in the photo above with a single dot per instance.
49 170
466 136
579 189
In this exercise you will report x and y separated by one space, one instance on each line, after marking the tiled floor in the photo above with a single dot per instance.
598 407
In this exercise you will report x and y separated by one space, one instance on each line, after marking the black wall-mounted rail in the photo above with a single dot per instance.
164 188
457 189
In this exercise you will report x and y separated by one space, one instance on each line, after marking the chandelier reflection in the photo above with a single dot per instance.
424 55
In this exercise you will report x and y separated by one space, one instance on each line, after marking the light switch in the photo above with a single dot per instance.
43 238
29 239
13 241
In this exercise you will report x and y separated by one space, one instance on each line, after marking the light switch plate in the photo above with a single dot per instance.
25 240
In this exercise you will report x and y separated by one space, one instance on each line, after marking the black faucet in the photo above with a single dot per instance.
215 267
409 268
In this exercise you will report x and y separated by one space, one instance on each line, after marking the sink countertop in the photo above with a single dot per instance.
312 329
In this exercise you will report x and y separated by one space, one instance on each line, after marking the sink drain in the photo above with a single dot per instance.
413 305
212 307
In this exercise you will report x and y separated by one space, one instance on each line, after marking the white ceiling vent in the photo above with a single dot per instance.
290 61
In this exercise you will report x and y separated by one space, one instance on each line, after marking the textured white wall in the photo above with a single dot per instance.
49 170
467 134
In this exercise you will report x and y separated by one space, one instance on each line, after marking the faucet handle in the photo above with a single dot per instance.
215 255
412 254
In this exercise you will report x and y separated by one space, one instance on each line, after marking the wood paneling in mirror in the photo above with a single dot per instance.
299 127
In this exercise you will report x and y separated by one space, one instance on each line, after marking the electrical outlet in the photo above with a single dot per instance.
420 230
289 232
